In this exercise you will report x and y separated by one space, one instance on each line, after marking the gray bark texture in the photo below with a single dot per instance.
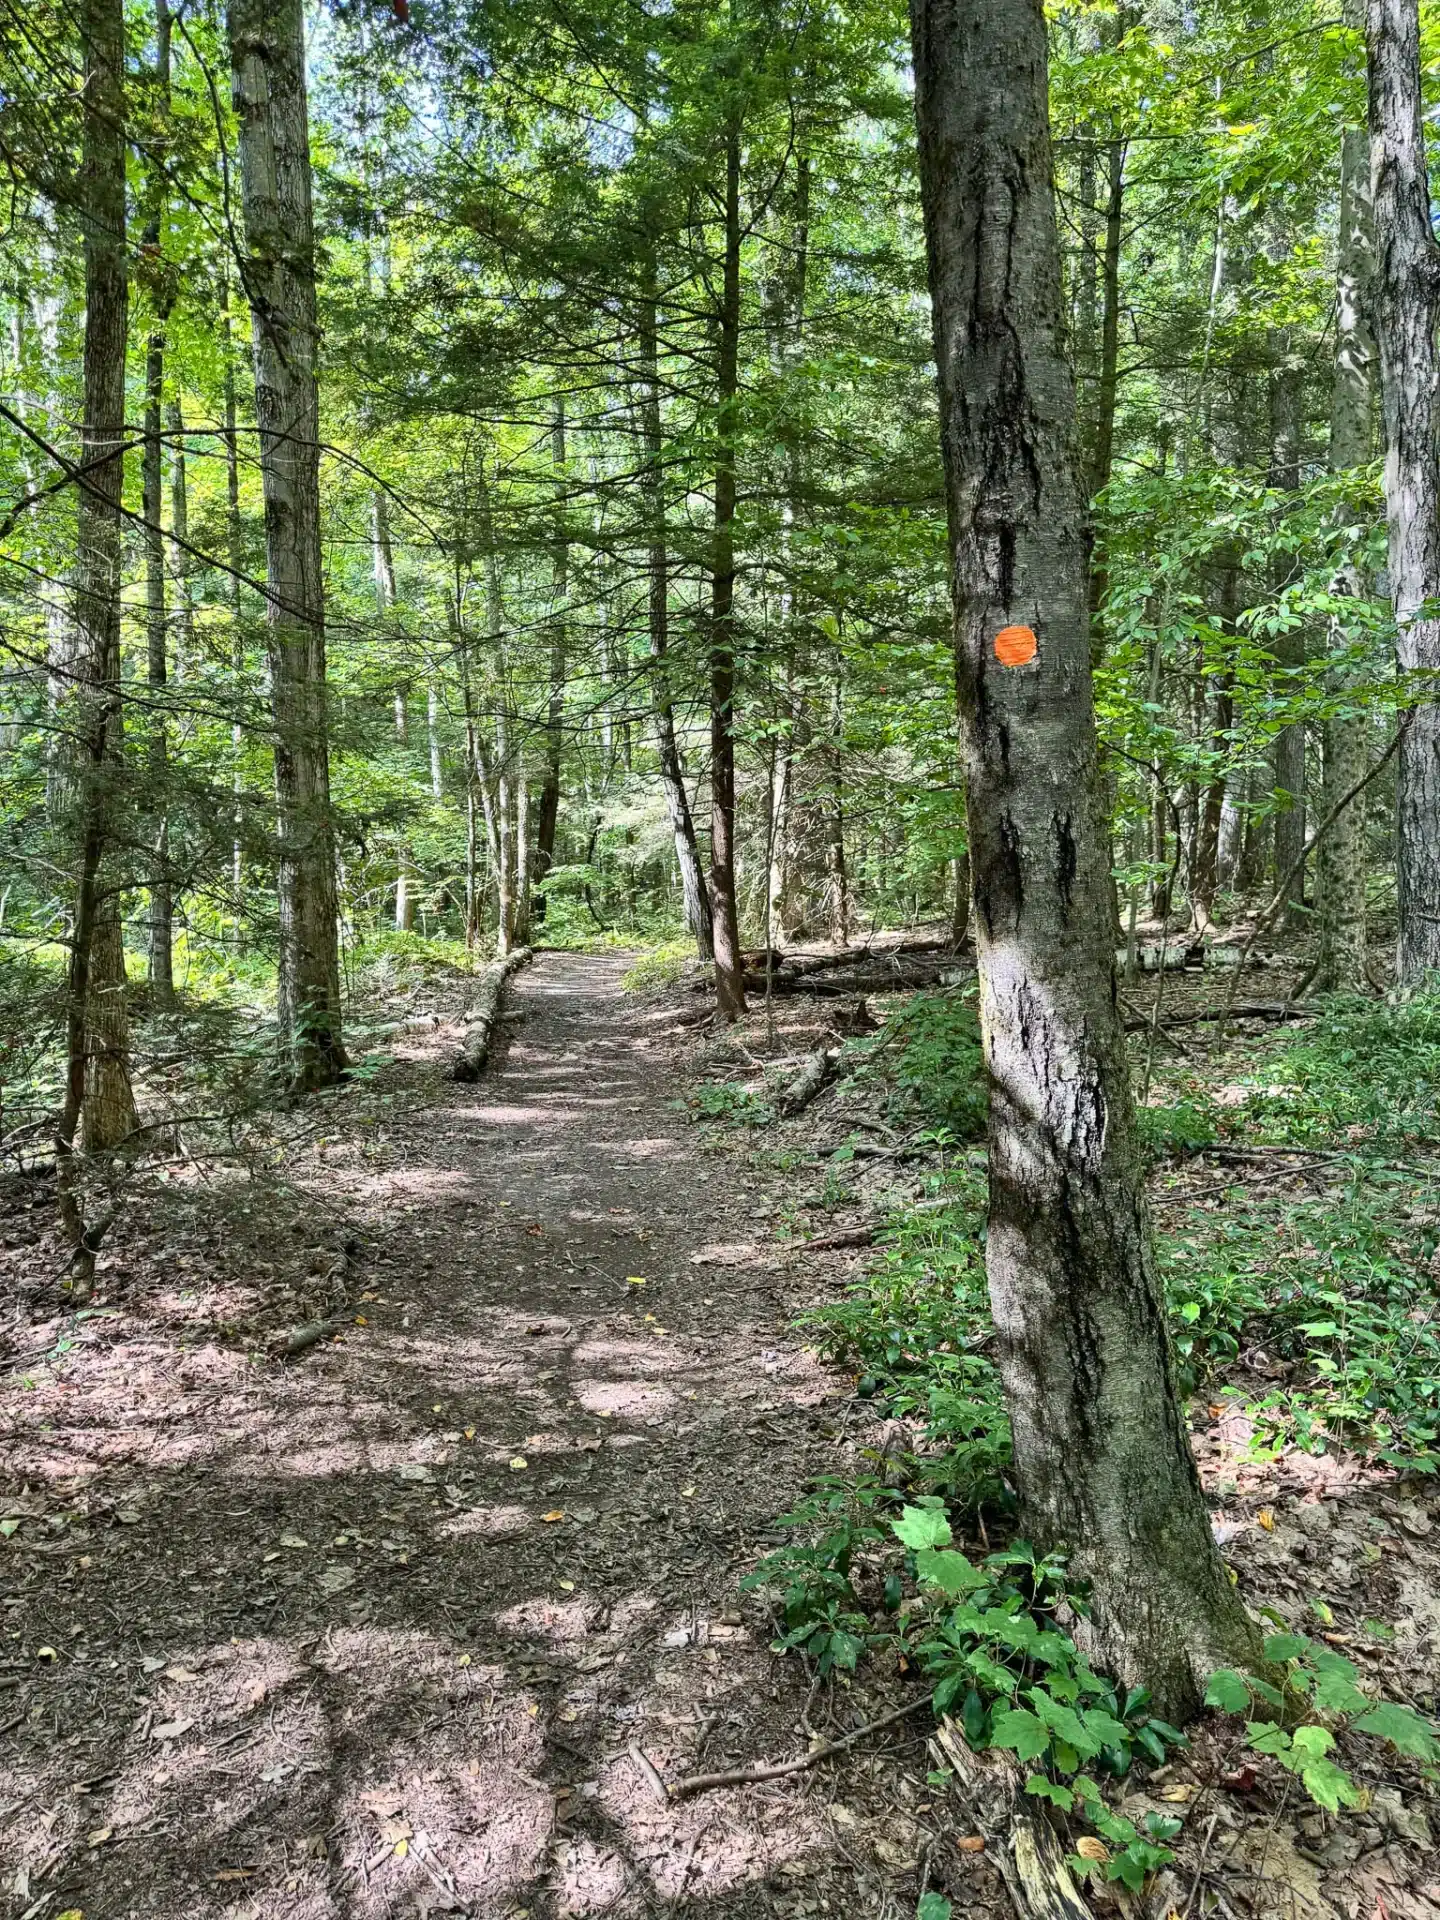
267 53
94 697
1407 304
1340 865
1101 1453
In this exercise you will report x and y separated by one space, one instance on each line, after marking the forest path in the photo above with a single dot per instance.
382 1626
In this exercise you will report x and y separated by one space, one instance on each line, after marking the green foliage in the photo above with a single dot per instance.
728 1101
915 1327
930 1051
1336 1287
1317 1681
985 1637
660 968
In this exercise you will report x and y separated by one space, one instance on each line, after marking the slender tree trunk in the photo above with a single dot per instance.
1103 457
724 910
1407 306
1288 752
547 813
1205 877
152 491
837 872
182 624
1340 867
267 49
657 567
108 1105
235 554
1101 1452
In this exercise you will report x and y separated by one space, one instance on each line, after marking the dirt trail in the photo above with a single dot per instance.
373 1633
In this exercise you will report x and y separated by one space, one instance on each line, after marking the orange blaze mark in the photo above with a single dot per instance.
1015 646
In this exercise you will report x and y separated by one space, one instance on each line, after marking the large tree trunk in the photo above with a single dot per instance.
724 910
1407 305
267 52
108 1105
1101 1453
1340 867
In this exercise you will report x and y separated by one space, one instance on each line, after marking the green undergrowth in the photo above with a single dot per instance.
1313 1307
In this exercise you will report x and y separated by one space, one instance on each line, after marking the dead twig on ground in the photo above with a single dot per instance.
747 1776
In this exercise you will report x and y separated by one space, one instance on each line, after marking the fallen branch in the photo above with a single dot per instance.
814 1076
649 1772
1024 1846
833 1242
746 1776
310 1335
483 1016
301 1339
1241 1010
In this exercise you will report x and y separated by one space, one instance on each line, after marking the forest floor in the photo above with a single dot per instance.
411 1622
381 1629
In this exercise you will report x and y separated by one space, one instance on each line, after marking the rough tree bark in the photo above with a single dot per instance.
108 1103
1101 1453
1406 309
267 53
724 910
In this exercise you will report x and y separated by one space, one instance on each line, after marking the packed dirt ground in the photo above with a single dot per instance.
425 1617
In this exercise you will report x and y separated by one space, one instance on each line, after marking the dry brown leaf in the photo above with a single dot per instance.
971 1843
1089 1848
555 1513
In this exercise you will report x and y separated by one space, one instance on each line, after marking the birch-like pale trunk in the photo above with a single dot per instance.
1406 310
267 53
1101 1453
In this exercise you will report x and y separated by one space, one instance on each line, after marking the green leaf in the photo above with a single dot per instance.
1065 1722
1312 1743
1109 1731
933 1906
950 1571
1338 1694
975 1718
1022 1732
1285 1646
1050 1790
1328 1786
1403 1728
1227 1692
1272 1740
920 1527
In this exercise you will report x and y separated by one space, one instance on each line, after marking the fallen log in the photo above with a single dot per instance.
814 1076
1023 1845
1242 1010
482 1016
825 987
